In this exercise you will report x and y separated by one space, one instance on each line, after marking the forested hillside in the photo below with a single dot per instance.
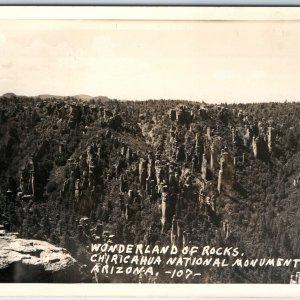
159 172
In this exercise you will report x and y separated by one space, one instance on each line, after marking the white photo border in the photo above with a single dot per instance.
150 13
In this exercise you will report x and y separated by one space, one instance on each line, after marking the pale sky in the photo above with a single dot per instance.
191 60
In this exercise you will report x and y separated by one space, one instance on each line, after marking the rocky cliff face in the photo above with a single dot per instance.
24 260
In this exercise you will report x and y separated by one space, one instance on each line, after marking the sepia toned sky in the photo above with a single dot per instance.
192 60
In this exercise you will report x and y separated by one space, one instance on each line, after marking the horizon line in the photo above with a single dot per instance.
149 99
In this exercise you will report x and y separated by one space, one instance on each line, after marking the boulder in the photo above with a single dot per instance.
26 260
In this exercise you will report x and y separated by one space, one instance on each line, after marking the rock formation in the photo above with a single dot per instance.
34 261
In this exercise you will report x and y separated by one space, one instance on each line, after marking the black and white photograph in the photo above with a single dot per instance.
150 150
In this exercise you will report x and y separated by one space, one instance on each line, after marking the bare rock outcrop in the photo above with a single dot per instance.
26 260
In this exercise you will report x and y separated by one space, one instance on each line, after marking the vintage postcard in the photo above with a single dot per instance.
150 146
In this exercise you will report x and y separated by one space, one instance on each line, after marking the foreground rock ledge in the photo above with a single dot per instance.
34 261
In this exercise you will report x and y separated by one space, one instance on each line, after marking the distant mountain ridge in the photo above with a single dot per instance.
58 97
